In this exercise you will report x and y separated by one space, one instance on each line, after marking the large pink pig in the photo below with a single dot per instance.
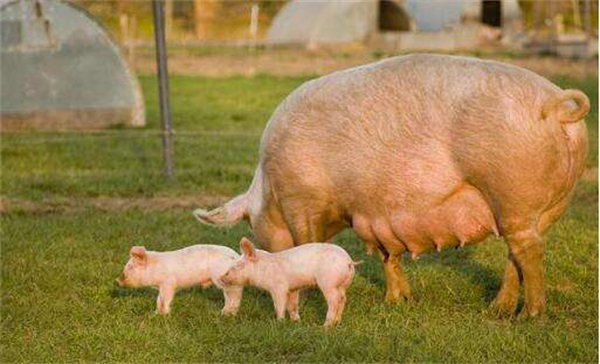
417 153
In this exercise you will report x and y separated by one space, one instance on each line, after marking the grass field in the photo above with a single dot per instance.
60 255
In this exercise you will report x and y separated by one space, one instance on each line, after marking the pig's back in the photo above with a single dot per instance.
199 263
415 139
308 258
207 251
401 118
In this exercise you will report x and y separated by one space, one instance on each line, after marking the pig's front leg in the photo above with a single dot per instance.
233 297
292 305
165 296
280 296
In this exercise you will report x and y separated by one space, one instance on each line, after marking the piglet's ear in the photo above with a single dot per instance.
247 248
139 253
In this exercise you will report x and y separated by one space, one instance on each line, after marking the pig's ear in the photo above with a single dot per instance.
138 253
247 248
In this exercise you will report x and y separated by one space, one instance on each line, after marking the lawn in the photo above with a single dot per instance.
60 255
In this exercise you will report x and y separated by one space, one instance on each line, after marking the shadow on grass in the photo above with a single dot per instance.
119 292
458 260
212 293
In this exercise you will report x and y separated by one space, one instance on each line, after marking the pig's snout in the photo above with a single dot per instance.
120 281
225 279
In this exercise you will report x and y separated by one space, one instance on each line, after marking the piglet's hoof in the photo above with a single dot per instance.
329 325
228 313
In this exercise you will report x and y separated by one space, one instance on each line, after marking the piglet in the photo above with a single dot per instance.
195 265
283 274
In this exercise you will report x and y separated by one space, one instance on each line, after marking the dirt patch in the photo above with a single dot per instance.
106 203
301 62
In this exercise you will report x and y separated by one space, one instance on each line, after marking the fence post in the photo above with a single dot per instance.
587 18
163 86
254 23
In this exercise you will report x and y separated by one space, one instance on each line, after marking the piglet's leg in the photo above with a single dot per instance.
233 297
341 305
292 305
280 302
332 295
165 296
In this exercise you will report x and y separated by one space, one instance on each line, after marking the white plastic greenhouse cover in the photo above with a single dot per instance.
324 21
343 21
59 69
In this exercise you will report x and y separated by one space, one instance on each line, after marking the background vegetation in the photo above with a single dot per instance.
218 20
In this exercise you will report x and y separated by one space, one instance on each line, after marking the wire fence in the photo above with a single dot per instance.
29 137
209 29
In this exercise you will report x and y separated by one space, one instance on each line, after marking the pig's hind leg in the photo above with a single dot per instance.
525 267
506 300
333 298
342 288
341 305
293 299
528 251
308 222
271 230
334 291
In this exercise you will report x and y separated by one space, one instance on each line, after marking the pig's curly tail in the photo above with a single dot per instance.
564 111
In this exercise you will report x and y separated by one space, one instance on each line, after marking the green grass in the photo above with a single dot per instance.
58 302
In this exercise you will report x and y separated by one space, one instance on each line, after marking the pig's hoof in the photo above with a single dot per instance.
328 325
531 313
503 308
295 317
397 297
227 313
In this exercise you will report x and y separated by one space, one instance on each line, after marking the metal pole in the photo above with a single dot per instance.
163 86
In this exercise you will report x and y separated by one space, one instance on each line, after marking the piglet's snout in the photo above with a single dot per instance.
120 281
